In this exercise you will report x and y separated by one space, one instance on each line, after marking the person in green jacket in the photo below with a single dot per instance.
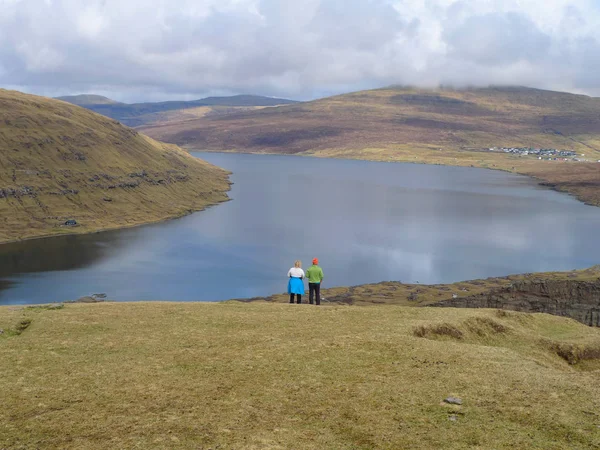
315 276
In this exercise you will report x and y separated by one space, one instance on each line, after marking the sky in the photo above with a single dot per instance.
149 50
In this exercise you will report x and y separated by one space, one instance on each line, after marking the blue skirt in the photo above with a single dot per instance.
296 286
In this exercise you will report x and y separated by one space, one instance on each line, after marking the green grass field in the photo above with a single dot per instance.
265 375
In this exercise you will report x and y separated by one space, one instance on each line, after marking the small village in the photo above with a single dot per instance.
548 154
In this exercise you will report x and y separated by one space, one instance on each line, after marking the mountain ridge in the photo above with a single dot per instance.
137 114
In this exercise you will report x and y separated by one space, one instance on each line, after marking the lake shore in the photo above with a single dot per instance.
78 230
579 179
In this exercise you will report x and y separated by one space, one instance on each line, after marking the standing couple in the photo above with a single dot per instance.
296 284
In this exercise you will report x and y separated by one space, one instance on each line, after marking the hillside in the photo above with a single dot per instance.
232 375
85 100
453 127
451 119
138 114
60 162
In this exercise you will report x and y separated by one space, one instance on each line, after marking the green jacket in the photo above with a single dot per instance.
314 274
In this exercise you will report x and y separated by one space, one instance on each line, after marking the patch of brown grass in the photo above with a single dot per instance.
439 330
485 325
474 326
576 353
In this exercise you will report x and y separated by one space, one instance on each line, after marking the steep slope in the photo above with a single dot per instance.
59 162
138 114
452 127
87 100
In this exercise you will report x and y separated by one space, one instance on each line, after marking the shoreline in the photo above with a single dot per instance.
539 179
124 227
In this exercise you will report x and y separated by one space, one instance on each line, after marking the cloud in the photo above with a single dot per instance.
497 40
159 49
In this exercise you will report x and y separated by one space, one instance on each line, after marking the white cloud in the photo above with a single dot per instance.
134 49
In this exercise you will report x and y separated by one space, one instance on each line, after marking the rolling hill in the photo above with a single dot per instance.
450 119
442 126
60 162
138 114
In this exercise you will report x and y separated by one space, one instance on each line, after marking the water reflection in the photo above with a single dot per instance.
367 222
59 253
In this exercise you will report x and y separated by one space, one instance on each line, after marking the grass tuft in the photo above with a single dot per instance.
438 330
576 353
483 326
22 325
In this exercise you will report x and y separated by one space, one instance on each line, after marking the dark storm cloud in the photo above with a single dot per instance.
134 49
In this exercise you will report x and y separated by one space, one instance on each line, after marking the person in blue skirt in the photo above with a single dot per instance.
296 282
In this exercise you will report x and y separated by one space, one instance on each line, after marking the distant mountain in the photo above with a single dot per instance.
245 100
60 162
137 114
85 100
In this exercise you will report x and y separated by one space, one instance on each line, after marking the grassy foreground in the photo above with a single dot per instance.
264 375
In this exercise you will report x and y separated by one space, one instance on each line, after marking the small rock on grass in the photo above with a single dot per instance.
453 418
453 401
1 331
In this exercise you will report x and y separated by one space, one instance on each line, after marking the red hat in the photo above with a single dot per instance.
316 261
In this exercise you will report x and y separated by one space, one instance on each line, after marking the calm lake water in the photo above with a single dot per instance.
367 222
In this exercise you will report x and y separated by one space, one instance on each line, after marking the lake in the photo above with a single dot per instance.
366 222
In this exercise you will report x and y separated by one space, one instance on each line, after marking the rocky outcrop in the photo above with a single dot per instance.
579 300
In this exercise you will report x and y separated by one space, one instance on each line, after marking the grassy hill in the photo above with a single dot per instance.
138 114
60 162
442 126
232 375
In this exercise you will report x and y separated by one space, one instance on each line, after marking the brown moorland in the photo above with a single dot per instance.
60 162
443 126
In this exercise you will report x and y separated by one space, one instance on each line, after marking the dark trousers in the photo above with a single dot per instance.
314 288
298 297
